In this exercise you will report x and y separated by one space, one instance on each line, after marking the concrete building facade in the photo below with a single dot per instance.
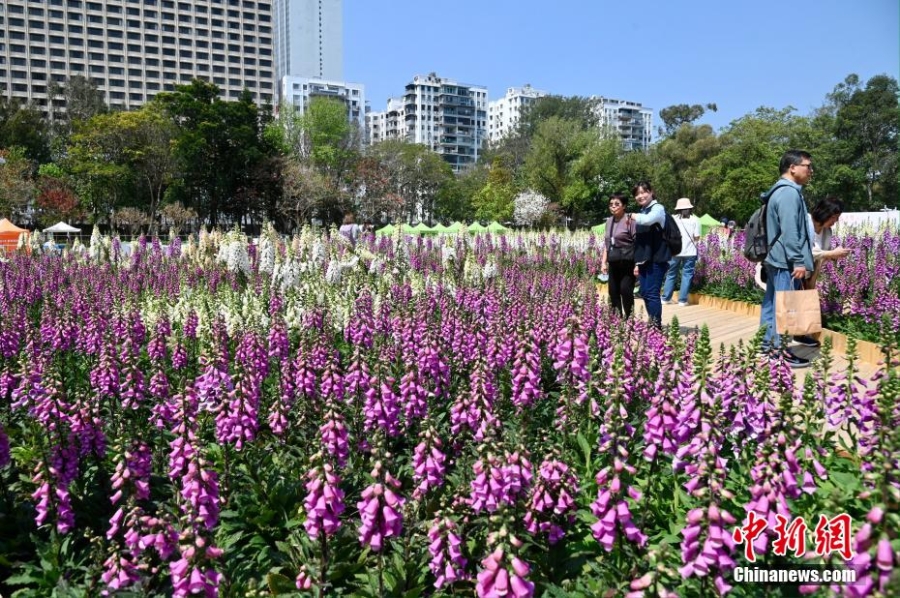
448 117
299 91
133 49
387 124
631 121
504 114
309 39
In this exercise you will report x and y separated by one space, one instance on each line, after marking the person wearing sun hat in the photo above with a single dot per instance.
689 225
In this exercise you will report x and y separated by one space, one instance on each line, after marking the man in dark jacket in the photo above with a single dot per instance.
789 261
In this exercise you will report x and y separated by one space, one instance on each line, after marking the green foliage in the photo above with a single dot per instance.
679 159
225 162
674 117
416 177
565 162
577 109
24 127
16 183
747 164
327 131
494 201
867 121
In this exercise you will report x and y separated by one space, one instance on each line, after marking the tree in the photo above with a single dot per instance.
673 117
580 110
134 146
867 120
84 100
305 192
494 201
24 127
566 163
131 219
330 141
55 198
529 207
454 198
679 160
221 151
96 158
747 164
177 216
148 147
16 184
415 174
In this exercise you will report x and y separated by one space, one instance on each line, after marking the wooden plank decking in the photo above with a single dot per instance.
729 328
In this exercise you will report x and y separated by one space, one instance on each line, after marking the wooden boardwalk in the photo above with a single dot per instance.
728 328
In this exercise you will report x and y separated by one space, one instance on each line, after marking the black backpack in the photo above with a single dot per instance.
671 234
756 239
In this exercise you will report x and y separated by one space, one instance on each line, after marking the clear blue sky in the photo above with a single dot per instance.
740 54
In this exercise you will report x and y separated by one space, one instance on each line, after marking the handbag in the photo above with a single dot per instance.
798 312
621 254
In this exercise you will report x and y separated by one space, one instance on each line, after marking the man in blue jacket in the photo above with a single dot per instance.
789 261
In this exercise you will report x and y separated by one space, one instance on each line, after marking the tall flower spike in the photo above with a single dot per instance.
380 510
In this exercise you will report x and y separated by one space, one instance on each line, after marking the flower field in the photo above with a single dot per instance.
412 417
860 294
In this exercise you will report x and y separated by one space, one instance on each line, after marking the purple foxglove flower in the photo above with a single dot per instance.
380 510
324 502
447 563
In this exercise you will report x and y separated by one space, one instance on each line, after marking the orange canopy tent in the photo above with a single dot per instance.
9 235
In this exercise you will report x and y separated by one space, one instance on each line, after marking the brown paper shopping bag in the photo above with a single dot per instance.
798 312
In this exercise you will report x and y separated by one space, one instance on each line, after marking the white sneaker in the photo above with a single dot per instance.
683 303
669 302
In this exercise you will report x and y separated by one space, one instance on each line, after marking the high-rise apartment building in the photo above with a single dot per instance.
448 117
389 124
133 49
631 121
299 91
309 39
504 114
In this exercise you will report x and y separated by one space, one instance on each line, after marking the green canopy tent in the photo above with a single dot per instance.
386 230
409 229
496 227
707 223
476 227
441 229
423 229
456 227
599 230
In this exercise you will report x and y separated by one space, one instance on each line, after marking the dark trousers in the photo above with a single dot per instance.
621 287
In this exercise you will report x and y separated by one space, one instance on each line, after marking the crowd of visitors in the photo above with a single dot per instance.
798 242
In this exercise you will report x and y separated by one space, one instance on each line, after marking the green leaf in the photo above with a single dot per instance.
21 580
280 584
585 448
847 481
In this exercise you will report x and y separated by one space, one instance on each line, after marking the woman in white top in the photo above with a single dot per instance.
687 259
822 217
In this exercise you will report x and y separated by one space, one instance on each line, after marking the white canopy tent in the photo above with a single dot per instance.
62 227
